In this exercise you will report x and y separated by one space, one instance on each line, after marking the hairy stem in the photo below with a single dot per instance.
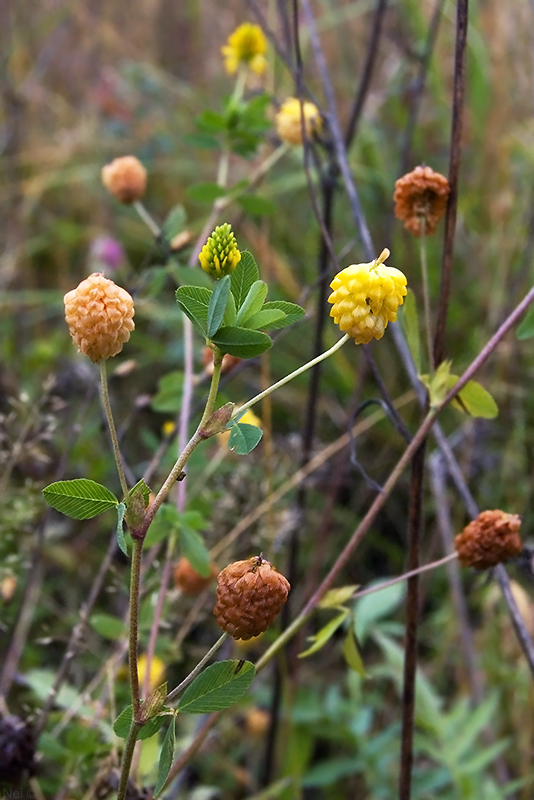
111 426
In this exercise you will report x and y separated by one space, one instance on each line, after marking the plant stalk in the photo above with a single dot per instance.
111 426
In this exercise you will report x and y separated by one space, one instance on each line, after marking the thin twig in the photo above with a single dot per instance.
367 72
454 170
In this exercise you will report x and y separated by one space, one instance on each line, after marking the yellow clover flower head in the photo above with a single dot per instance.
157 671
246 45
288 125
220 256
366 297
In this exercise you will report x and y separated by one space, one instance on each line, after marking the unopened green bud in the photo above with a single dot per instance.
220 256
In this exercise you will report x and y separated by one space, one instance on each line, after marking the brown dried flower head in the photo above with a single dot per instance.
125 179
100 317
189 580
250 595
421 199
489 539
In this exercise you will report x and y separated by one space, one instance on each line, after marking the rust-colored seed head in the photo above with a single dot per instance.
125 179
100 317
188 579
421 199
250 595
489 539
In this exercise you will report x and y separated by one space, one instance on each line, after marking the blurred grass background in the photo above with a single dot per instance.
84 82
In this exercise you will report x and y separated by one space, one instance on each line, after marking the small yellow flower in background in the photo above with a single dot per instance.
220 256
421 197
250 418
157 672
366 297
100 317
288 125
168 427
246 45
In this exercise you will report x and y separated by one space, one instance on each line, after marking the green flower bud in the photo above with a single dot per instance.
220 256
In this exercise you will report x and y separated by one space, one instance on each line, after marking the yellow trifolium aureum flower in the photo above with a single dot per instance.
220 256
366 297
288 121
246 45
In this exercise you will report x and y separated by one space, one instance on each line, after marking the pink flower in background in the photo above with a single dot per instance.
108 252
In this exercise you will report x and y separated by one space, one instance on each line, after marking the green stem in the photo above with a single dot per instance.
149 221
290 377
127 756
111 426
190 446
199 667
426 295
135 575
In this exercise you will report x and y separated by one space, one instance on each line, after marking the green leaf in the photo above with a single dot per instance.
410 324
266 318
230 315
526 329
81 739
194 302
211 121
438 384
253 301
193 547
121 540
204 141
243 276
217 305
352 654
242 342
218 687
336 597
165 523
168 398
108 627
189 276
166 757
374 607
205 192
254 204
475 400
80 498
121 726
174 223
321 638
244 438
292 311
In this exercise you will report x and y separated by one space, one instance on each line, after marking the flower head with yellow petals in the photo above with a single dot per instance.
288 121
246 45
220 255
366 297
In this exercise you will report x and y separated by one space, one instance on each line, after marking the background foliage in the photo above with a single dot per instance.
85 82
